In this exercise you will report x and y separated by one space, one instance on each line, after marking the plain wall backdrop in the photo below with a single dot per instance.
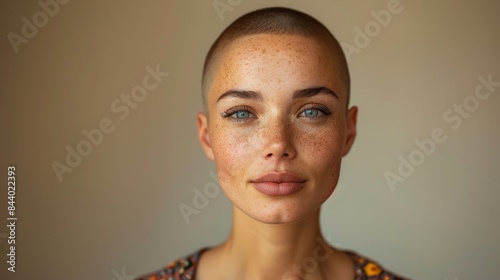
114 214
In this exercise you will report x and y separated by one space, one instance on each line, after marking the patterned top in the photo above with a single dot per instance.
185 268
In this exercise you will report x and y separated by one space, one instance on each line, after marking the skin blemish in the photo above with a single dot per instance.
276 138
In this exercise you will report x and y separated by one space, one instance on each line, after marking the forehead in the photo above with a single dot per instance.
255 62
285 42
260 48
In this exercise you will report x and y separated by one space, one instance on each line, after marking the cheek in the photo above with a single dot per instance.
322 152
231 149
323 146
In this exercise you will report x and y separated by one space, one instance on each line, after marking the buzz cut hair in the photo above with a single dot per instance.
277 21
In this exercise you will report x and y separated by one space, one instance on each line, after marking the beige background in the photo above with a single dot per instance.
116 214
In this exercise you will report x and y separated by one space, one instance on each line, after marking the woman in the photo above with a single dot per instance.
277 124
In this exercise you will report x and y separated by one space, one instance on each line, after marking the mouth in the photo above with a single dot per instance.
279 184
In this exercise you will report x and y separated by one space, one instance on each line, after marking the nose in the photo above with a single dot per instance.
278 139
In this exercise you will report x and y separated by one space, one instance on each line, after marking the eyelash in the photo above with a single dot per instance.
321 108
229 113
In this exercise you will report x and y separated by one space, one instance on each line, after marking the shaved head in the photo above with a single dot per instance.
278 21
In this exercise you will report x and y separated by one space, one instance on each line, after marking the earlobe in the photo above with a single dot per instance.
351 131
204 136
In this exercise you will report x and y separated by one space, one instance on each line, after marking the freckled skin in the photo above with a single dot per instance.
277 136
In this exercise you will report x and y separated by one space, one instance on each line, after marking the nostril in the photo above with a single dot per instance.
271 155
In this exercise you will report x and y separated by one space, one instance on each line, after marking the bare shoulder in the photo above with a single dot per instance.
340 264
208 264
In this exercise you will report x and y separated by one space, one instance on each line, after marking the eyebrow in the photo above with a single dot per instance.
301 93
309 92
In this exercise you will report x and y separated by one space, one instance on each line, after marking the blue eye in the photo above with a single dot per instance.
241 114
238 115
312 113
315 113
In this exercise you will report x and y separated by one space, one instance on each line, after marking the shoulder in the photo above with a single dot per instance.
365 268
181 269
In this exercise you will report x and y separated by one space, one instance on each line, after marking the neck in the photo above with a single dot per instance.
277 251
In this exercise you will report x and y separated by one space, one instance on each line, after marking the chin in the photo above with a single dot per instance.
281 214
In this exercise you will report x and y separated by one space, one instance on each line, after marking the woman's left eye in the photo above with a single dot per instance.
313 113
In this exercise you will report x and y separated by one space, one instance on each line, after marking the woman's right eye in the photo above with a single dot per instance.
241 114
238 115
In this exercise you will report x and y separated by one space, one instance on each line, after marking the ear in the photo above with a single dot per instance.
204 136
351 119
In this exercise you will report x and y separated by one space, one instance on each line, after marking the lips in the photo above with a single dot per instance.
279 183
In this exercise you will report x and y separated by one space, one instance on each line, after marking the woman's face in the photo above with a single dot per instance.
276 105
